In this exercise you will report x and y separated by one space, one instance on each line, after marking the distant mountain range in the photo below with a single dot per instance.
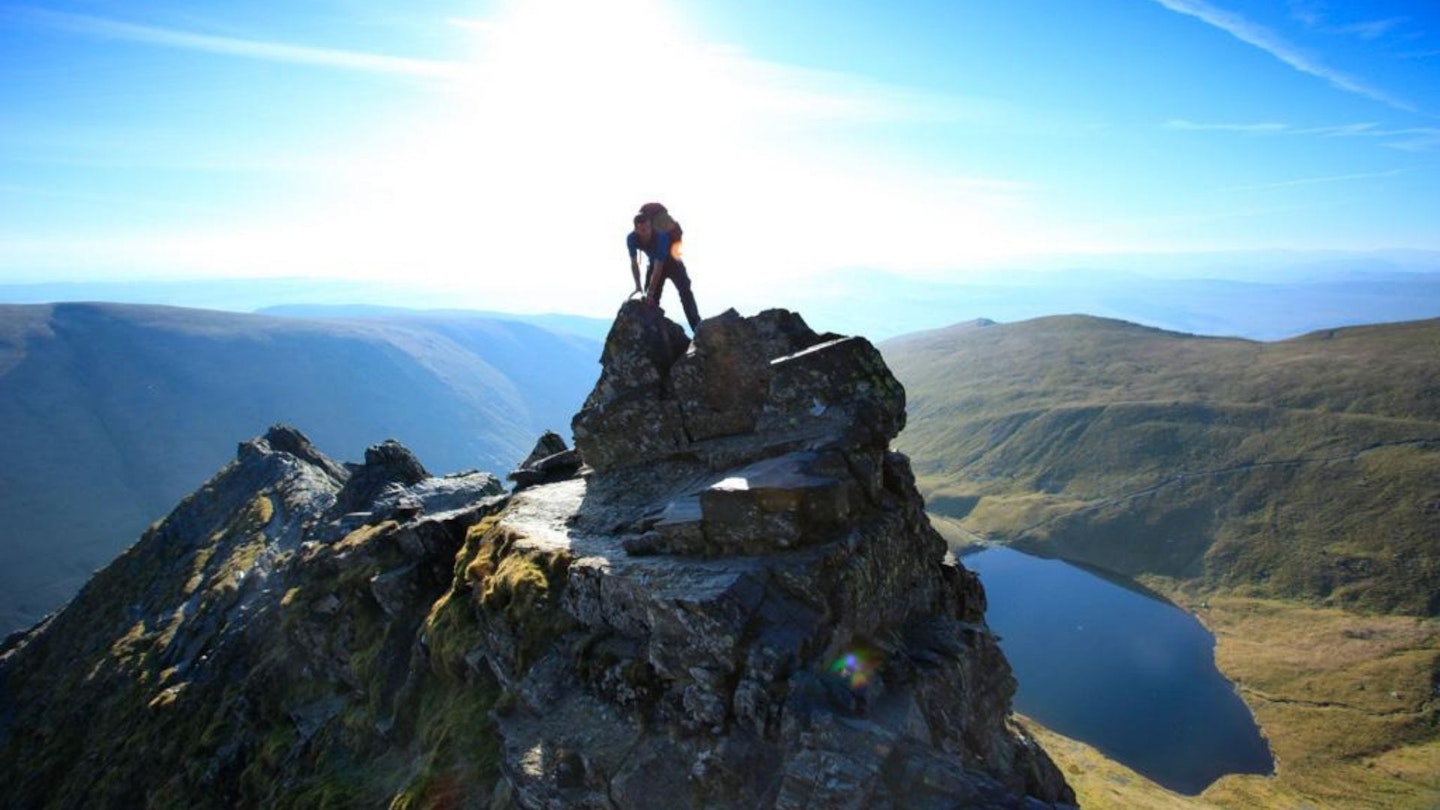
110 413
882 306
1307 468
1262 295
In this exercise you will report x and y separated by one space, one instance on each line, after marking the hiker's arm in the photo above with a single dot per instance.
634 262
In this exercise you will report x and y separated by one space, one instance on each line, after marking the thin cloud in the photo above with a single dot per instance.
1311 181
1270 42
1308 13
1343 130
1191 126
1372 29
245 48
1276 128
1312 15
1409 139
1415 139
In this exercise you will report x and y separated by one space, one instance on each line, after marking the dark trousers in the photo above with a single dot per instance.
674 270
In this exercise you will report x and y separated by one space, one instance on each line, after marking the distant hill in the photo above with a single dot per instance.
110 413
1262 295
884 306
592 328
1306 468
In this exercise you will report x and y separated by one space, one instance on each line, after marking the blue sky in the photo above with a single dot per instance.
495 150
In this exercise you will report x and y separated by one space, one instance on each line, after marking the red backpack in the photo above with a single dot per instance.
661 220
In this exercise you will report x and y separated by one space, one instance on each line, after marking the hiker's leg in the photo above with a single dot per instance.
687 299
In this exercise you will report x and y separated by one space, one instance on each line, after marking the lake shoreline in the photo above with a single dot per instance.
1346 700
1299 670
1121 667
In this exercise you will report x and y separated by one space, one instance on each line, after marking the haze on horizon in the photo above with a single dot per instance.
494 151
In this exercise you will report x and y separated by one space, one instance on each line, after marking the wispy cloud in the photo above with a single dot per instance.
1416 139
1276 128
1313 16
1266 40
1372 29
1409 139
1307 12
1310 181
342 59
1342 130
1191 126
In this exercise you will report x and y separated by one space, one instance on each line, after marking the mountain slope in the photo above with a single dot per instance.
749 609
110 413
1303 468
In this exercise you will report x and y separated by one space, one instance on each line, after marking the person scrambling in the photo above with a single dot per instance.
658 235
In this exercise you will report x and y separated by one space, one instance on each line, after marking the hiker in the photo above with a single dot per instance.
662 246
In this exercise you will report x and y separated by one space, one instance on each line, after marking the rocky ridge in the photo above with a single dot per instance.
253 648
736 602
743 603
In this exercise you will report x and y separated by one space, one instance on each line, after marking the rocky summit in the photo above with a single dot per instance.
727 595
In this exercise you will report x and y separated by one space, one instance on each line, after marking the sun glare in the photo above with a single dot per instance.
521 184
574 114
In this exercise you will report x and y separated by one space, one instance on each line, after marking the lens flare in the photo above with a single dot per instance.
855 667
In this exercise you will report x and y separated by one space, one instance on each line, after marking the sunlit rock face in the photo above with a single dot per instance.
727 595
754 611
746 389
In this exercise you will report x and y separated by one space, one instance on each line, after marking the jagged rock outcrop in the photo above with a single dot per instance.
260 647
743 604
550 461
387 466
738 603
750 388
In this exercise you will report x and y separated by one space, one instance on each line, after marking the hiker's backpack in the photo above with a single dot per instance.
661 220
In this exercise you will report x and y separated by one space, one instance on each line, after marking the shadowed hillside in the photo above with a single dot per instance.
1304 468
110 413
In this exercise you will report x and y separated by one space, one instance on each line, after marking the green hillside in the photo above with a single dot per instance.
1306 468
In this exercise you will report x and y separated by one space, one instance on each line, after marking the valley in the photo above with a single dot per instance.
1263 469
1287 494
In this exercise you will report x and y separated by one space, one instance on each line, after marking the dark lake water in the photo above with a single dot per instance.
1130 674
